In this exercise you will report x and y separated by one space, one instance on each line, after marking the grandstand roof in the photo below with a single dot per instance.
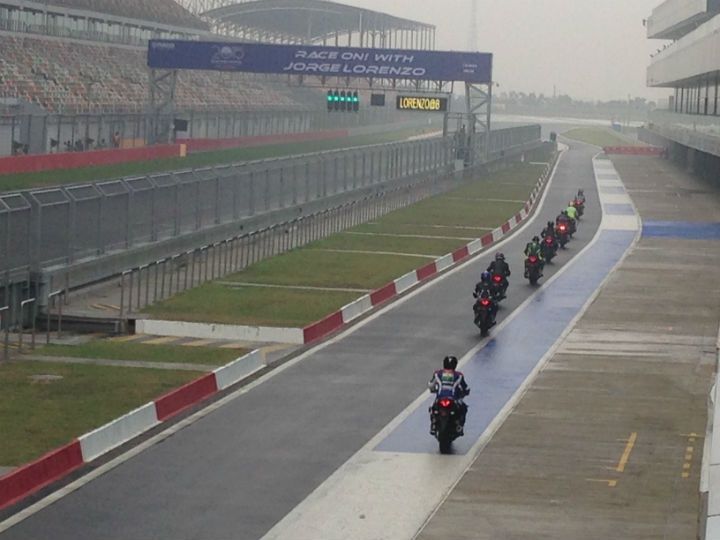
311 19
166 12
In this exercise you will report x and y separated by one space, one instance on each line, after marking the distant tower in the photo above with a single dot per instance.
472 37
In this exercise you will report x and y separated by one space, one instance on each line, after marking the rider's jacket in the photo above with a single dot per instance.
572 212
533 248
449 383
499 267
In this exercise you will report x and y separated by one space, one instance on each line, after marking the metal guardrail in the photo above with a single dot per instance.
59 226
144 285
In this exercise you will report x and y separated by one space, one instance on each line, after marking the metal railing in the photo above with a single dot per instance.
59 226
146 284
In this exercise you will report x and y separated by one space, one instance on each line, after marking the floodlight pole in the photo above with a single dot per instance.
478 102
162 105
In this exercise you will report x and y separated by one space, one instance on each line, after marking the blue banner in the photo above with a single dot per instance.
315 60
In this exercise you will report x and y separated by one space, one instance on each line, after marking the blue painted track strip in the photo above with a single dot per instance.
497 371
682 229
619 209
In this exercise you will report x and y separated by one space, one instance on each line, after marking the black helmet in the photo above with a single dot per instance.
450 362
550 224
499 256
536 238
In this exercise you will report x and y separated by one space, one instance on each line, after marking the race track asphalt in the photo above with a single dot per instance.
239 470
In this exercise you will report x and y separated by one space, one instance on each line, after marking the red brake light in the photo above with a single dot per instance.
549 240
497 278
485 302
532 259
562 228
445 403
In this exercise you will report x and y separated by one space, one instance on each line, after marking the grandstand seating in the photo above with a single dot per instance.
162 11
74 77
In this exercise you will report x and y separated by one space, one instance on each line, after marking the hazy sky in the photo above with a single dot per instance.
590 49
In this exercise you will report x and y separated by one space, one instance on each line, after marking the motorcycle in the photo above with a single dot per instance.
563 234
484 310
445 419
549 248
533 269
572 227
499 287
580 207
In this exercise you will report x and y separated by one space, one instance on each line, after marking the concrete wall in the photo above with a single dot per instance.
693 55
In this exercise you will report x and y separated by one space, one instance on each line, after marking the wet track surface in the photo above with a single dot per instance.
239 470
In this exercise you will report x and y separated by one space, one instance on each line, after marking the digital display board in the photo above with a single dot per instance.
394 64
422 103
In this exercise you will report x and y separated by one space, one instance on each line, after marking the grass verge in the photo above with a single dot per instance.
214 302
437 225
39 416
600 137
10 182
138 352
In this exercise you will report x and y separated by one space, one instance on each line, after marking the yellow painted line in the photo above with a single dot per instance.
691 439
610 483
688 457
626 453
132 337
110 307
686 466
690 449
273 348
199 343
685 475
160 340
99 307
237 345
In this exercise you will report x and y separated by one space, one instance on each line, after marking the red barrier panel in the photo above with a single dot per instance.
426 271
180 399
36 475
486 240
460 254
635 150
323 327
202 145
518 218
381 295
75 160
506 227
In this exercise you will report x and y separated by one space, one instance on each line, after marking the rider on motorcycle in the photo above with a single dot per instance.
499 266
485 284
534 248
448 382
580 197
549 230
571 211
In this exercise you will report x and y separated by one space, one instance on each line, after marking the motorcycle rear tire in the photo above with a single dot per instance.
444 443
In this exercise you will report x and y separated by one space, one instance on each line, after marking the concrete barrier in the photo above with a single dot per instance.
710 478
405 282
241 368
178 400
354 309
105 438
634 150
34 476
219 331
75 160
